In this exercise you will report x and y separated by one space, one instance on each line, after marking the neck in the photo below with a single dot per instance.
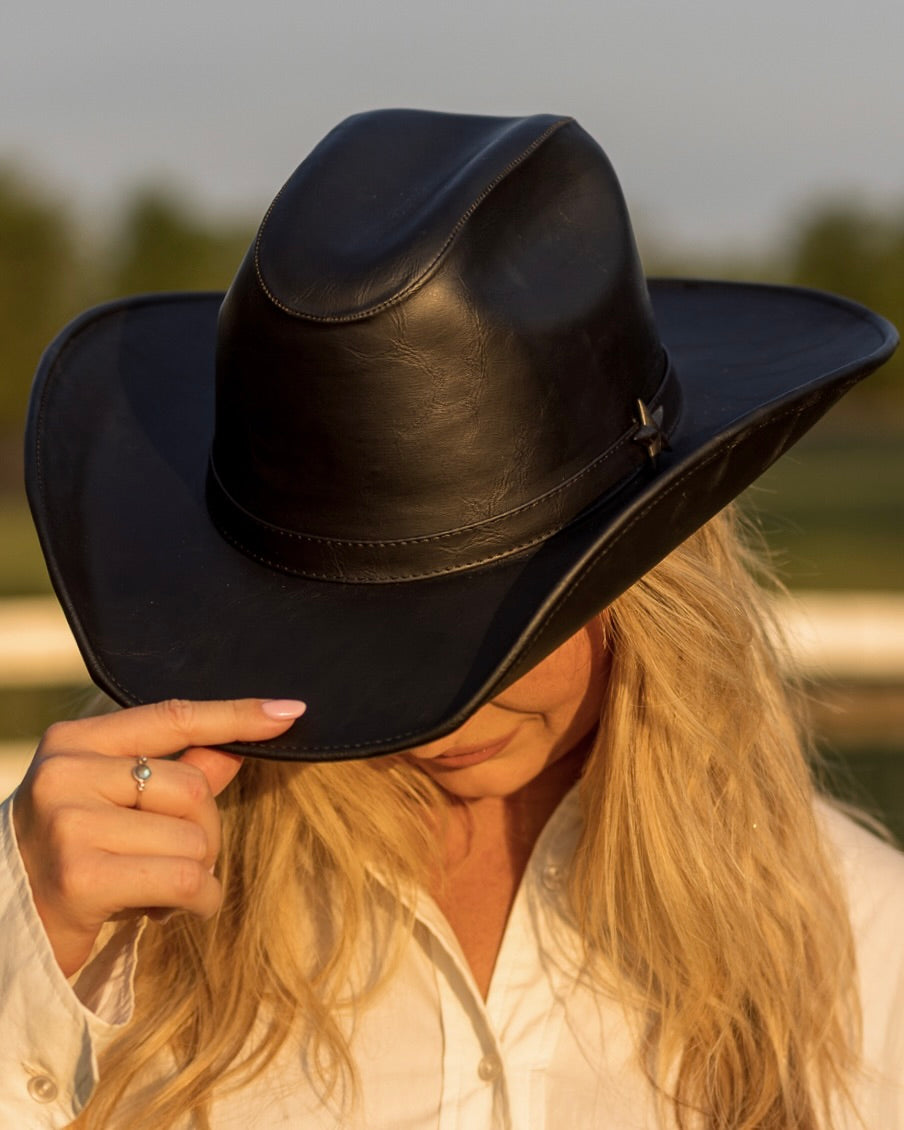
510 825
487 845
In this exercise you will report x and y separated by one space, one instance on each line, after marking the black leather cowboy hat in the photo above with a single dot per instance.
439 420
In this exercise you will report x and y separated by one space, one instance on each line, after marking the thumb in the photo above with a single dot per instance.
217 766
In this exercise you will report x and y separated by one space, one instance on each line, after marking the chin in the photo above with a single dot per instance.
479 782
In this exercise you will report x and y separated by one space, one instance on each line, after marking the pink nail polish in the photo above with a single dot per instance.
282 709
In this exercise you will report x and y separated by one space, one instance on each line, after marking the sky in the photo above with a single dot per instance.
724 120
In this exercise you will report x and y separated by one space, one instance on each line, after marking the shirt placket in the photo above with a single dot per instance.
473 1092
496 1054
526 1003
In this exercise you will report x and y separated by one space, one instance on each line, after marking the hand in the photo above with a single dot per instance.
94 847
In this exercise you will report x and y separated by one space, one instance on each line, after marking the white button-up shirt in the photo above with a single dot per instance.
545 1051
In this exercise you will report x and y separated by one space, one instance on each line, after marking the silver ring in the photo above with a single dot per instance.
141 774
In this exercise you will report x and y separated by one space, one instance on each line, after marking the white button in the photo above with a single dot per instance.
552 876
42 1088
489 1068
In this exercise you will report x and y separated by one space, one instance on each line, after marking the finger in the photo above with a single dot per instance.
217 766
122 831
172 790
168 727
169 786
177 791
136 882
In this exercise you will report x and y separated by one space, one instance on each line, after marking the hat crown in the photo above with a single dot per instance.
364 218
433 352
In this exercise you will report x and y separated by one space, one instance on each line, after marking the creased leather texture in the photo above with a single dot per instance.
495 333
439 389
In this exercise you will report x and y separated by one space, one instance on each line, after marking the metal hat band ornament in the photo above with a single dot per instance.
650 434
439 420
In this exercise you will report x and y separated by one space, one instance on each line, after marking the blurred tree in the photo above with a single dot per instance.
47 276
162 245
38 278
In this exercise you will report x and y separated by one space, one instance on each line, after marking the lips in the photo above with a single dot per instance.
460 757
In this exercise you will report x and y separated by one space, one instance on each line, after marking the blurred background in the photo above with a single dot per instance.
139 148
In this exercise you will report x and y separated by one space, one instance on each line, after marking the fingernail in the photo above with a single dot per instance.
282 709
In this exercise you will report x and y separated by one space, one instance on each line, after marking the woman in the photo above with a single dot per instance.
543 849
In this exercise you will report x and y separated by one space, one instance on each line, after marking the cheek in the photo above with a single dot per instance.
564 680
541 690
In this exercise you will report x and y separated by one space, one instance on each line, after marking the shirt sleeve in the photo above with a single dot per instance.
52 1029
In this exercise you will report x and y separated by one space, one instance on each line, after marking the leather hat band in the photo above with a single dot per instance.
481 543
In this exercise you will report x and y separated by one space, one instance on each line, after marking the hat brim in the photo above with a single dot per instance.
162 606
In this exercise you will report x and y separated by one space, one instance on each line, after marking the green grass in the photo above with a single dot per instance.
26 712
22 570
833 512
871 779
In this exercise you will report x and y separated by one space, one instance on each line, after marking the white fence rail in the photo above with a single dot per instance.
847 635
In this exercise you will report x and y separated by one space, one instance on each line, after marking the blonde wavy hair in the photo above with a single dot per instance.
700 884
